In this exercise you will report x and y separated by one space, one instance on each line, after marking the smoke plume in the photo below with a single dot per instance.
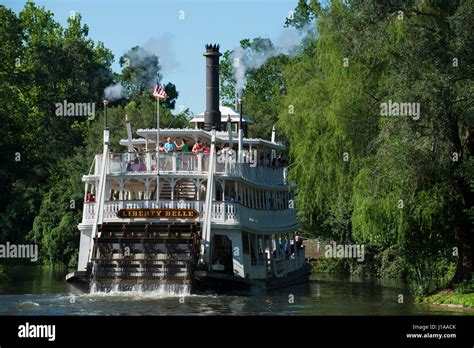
114 92
245 59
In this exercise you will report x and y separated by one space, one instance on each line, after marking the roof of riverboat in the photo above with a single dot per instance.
226 113
191 133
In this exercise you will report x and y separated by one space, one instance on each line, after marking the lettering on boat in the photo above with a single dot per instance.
166 213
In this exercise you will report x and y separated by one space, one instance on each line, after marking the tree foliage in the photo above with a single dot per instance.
402 180
45 155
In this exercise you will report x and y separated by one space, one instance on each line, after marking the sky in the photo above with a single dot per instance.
176 29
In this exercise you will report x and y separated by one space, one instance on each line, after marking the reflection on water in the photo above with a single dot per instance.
43 291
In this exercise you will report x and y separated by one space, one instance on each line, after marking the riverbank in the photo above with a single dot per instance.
450 298
461 297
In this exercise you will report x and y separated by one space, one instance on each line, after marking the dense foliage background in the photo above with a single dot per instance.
44 155
399 185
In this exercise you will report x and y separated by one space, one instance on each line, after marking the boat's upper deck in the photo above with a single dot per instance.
258 163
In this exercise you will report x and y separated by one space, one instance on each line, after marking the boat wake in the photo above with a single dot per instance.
141 290
26 305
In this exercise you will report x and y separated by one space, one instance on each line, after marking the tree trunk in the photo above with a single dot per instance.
464 238
465 248
463 233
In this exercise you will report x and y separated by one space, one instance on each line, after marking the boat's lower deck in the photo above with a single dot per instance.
144 255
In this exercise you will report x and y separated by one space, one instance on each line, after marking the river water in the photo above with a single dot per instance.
43 291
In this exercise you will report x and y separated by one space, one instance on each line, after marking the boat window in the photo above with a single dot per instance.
245 242
253 251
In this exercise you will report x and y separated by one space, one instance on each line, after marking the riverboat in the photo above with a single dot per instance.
219 217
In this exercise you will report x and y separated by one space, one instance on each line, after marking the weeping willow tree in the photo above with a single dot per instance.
383 178
329 121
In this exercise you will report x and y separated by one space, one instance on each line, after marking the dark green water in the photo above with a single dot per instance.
43 291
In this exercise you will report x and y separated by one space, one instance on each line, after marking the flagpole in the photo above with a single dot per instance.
157 149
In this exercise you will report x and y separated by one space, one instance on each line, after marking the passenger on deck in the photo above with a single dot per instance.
268 160
169 146
287 248
184 151
280 249
274 162
230 197
298 240
183 147
114 196
116 166
142 167
169 149
281 160
136 165
206 150
160 148
197 147
90 198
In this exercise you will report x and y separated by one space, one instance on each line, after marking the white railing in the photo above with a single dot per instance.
294 262
284 265
221 212
88 213
267 219
192 163
146 162
224 212
258 174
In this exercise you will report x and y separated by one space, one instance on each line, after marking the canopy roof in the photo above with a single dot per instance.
225 113
193 134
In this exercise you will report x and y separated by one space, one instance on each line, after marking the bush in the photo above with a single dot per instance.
390 263
466 287
330 266
3 274
427 276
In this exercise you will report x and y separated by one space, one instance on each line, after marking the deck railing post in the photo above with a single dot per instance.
199 165
148 162
173 162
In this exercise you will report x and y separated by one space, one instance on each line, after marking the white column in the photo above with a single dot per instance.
85 191
121 184
229 131
241 146
172 183
147 189
199 164
173 162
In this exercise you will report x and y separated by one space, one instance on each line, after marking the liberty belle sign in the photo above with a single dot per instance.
165 213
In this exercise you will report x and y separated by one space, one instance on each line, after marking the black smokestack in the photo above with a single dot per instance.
212 115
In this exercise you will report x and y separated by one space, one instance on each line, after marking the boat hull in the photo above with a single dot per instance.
205 281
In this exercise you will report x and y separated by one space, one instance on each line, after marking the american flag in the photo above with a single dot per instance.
159 92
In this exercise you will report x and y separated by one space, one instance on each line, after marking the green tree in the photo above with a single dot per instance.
403 181
44 65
